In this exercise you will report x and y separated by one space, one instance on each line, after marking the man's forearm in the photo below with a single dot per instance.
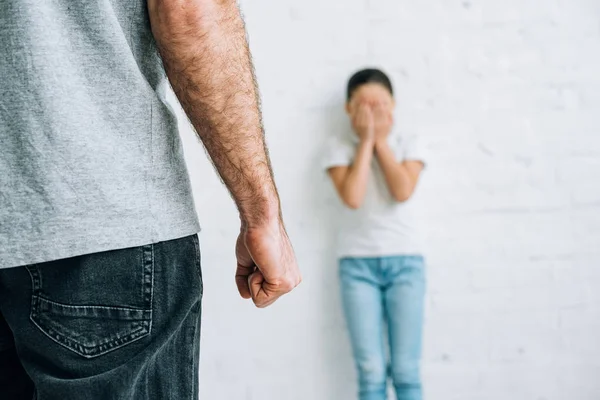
205 53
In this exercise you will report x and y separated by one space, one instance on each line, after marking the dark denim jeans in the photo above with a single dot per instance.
122 325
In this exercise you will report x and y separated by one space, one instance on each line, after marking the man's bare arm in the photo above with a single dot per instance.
206 57
205 53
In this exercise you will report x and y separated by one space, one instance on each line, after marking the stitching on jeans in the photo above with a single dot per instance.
33 297
197 314
91 307
194 372
152 290
196 242
64 339
36 283
108 347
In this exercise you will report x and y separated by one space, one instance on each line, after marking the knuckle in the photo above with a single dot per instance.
288 285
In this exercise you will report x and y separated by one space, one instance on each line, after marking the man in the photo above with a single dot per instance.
100 282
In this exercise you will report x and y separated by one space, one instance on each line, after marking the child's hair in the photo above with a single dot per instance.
369 75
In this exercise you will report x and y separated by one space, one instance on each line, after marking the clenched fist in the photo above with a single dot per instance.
266 264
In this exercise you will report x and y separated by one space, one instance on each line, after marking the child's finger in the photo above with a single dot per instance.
370 118
366 114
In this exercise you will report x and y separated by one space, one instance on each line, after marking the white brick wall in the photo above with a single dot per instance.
507 95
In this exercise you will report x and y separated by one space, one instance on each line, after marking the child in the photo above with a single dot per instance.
375 171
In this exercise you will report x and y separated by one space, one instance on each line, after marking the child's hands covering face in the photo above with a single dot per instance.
363 122
372 121
383 120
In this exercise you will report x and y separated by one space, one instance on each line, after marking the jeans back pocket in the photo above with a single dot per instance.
96 303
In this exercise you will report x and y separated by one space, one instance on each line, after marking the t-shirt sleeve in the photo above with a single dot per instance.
413 150
338 153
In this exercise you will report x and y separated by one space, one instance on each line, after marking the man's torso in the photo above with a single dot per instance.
90 157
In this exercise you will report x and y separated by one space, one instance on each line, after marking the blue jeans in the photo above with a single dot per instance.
378 292
118 325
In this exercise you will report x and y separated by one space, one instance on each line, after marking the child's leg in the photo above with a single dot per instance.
404 300
362 300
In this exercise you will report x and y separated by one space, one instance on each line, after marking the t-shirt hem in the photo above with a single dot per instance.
63 248
379 254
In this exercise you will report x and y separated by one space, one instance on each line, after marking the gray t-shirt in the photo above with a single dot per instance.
90 156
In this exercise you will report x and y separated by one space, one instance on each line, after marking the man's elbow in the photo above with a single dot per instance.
177 19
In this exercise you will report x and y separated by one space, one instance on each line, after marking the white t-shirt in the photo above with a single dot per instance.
381 226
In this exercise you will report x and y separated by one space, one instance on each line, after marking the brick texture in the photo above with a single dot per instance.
506 94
